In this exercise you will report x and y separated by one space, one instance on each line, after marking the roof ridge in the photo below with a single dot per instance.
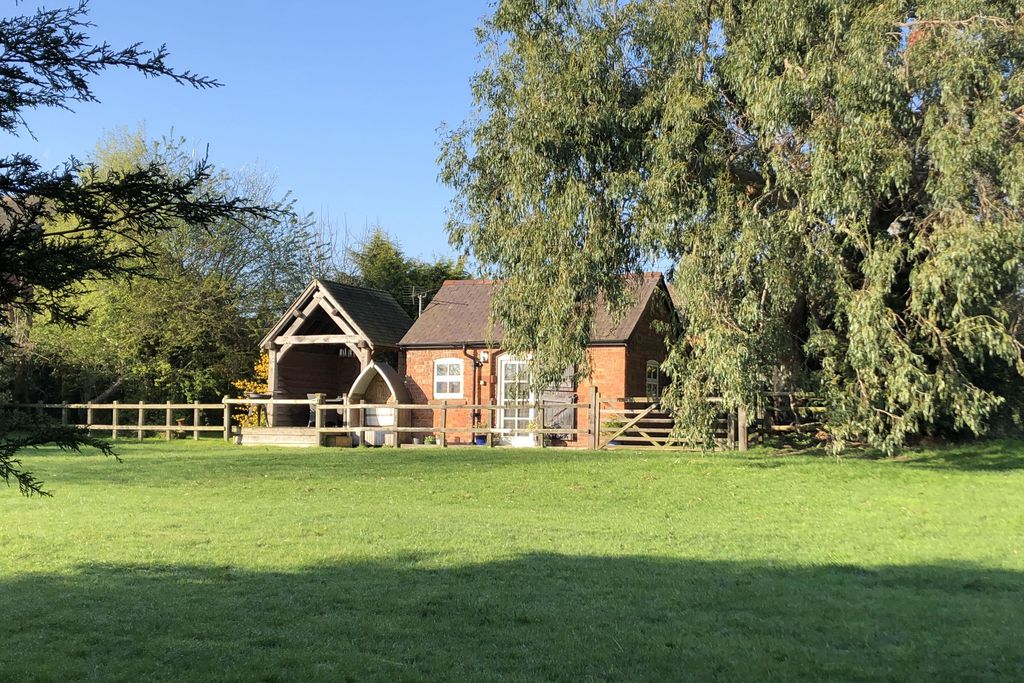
363 287
468 281
647 274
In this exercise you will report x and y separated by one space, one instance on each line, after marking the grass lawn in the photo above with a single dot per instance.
199 560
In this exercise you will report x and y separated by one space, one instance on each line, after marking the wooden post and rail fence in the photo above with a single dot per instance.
598 423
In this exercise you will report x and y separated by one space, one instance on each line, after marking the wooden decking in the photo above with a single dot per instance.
298 437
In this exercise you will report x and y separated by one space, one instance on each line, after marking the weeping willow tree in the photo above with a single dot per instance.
837 185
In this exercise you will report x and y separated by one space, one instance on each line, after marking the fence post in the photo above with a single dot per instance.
490 423
343 417
227 419
444 424
88 417
64 414
195 420
361 412
167 421
113 421
318 418
539 410
594 418
741 427
142 420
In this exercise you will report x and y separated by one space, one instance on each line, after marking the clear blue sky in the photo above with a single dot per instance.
340 100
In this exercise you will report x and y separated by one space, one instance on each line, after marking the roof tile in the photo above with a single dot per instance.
458 314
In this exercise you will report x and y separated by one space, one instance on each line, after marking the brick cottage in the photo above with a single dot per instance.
451 355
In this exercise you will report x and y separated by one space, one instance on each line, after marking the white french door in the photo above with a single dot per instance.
514 395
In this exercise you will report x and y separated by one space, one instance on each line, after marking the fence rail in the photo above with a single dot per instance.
598 422
138 415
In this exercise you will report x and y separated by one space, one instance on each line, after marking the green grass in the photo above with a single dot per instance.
198 560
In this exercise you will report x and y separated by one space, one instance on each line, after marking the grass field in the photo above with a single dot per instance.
190 561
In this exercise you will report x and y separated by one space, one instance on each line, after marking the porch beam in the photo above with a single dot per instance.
300 316
338 316
317 339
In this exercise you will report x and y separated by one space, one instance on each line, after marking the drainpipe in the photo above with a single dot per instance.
475 413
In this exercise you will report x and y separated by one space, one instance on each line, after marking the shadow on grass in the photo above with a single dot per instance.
983 455
535 617
980 456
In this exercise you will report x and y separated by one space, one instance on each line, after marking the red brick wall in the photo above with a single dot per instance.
608 372
608 366
645 344
417 370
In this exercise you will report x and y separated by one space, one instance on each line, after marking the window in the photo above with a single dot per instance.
652 384
448 378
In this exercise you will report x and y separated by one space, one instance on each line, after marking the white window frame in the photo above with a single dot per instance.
655 381
448 362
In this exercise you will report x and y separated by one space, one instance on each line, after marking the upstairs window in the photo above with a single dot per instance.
652 383
448 378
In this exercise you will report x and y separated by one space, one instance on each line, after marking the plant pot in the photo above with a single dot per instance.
417 441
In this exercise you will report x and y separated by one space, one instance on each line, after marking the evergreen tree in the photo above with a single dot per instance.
381 264
193 326
100 229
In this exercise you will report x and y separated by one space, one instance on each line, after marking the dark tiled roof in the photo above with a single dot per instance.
375 312
458 315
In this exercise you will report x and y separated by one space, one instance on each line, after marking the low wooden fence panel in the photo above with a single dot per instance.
137 418
599 422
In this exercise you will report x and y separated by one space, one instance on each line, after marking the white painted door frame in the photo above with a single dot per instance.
519 420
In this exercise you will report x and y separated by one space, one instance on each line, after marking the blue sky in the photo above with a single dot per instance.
340 100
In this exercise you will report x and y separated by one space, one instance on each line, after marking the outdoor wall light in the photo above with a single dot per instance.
484 356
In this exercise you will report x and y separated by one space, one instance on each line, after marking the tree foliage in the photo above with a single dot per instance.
192 326
98 226
838 185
